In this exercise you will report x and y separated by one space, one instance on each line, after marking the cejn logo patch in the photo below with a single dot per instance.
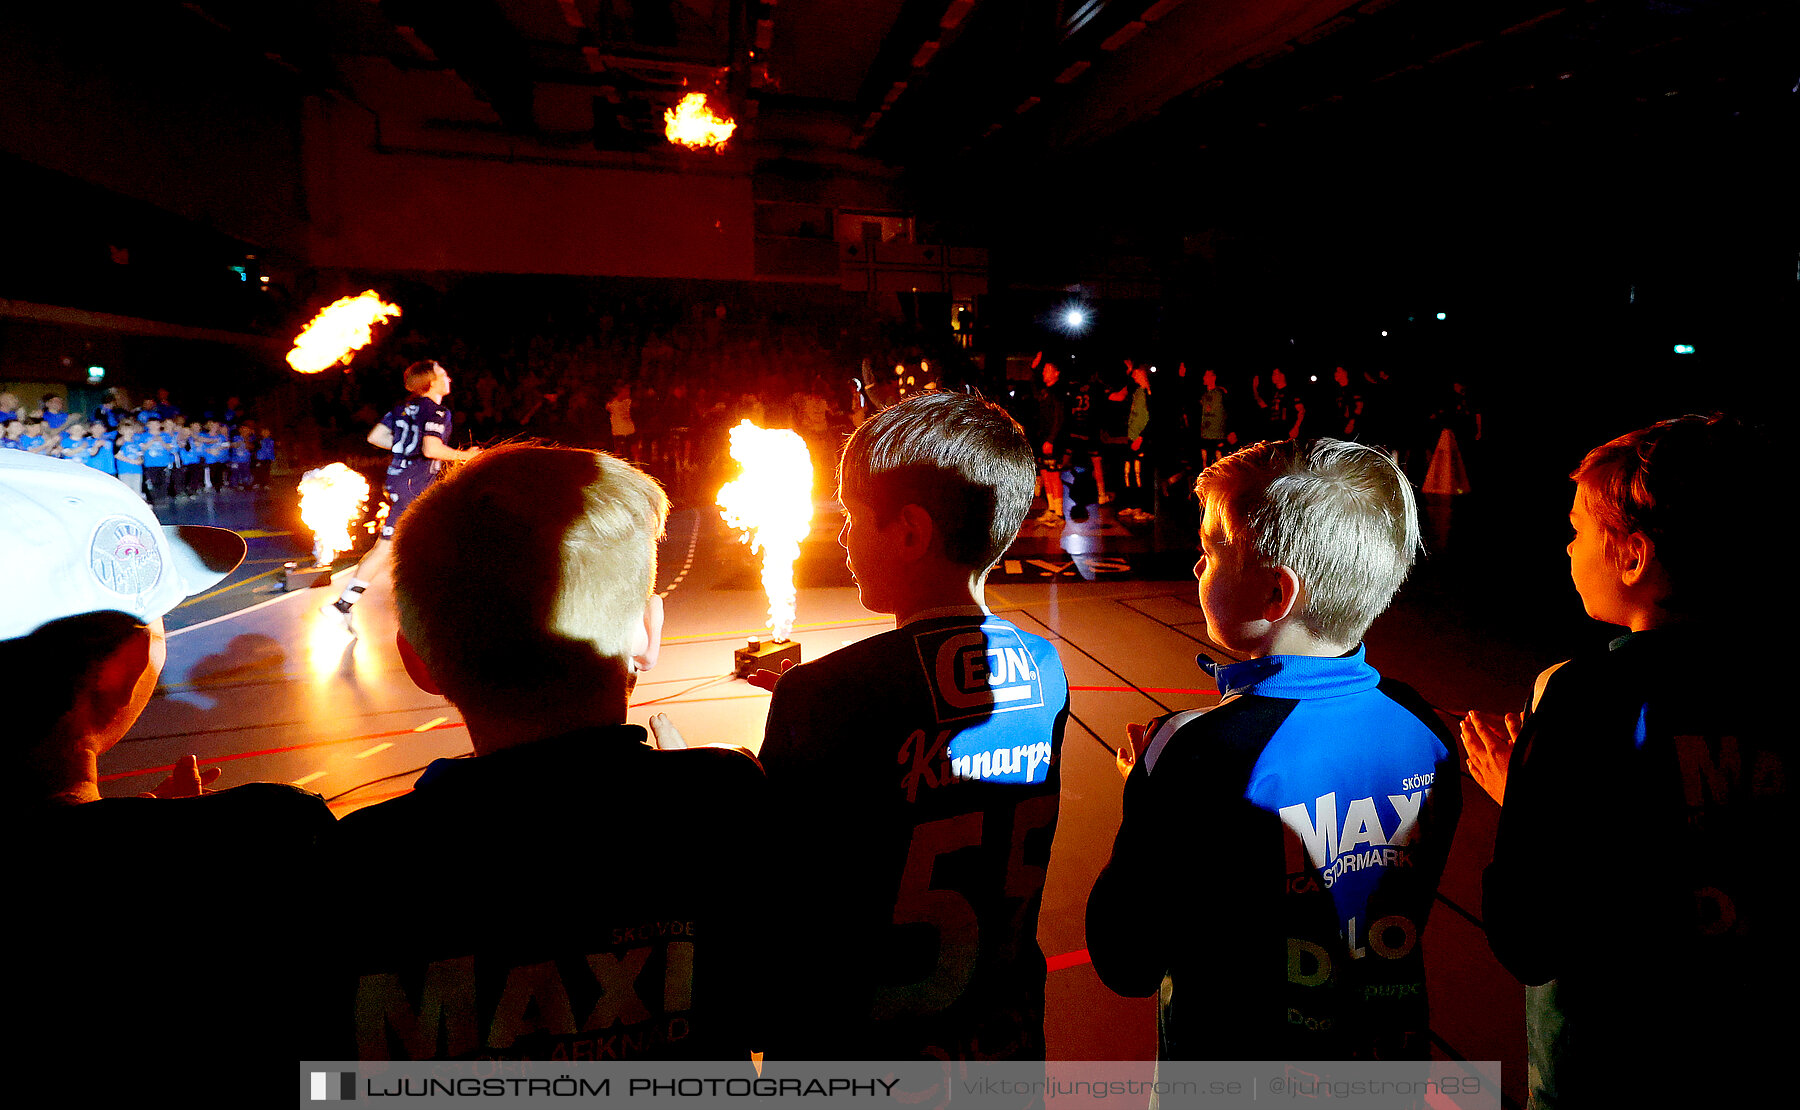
979 672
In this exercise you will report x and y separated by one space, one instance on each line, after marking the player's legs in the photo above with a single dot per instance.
372 565
1050 480
376 561
1079 476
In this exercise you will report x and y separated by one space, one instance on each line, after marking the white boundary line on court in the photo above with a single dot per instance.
253 608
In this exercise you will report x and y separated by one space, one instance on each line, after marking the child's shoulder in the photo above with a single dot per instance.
1624 674
873 656
949 651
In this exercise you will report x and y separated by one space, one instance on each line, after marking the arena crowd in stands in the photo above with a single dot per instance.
660 377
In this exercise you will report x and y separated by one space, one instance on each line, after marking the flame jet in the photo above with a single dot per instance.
339 331
331 499
771 502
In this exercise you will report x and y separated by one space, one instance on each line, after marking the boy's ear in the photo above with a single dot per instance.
415 666
1283 594
116 679
913 531
1636 554
646 640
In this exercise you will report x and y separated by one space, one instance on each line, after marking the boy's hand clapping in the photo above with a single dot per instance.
765 679
186 780
1127 756
664 736
1489 738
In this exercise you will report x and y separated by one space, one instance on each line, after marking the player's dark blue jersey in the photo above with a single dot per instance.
916 773
410 422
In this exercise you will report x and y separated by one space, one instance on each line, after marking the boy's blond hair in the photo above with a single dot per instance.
1340 515
526 568
965 461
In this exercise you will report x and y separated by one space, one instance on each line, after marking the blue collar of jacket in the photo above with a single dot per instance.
1293 676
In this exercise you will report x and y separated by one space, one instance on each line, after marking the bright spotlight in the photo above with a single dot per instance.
1443 315
1075 319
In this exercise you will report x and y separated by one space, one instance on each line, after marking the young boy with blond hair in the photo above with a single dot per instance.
1637 881
618 893
1308 814
916 772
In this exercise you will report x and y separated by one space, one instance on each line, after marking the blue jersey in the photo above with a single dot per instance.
101 460
240 451
265 449
916 774
214 448
409 423
1314 807
129 454
159 451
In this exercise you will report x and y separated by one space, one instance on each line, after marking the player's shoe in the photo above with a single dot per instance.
338 612
1051 519
1107 497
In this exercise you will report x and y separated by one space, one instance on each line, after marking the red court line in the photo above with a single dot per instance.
1066 960
1144 689
167 767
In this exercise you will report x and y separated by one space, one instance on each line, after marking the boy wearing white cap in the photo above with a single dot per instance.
115 889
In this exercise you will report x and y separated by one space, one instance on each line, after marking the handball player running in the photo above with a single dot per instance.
416 432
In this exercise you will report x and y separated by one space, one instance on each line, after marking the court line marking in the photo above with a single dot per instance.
227 589
167 767
285 596
693 542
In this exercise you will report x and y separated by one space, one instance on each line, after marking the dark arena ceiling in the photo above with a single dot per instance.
1017 89
1379 141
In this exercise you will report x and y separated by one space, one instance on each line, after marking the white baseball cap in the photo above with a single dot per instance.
74 540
